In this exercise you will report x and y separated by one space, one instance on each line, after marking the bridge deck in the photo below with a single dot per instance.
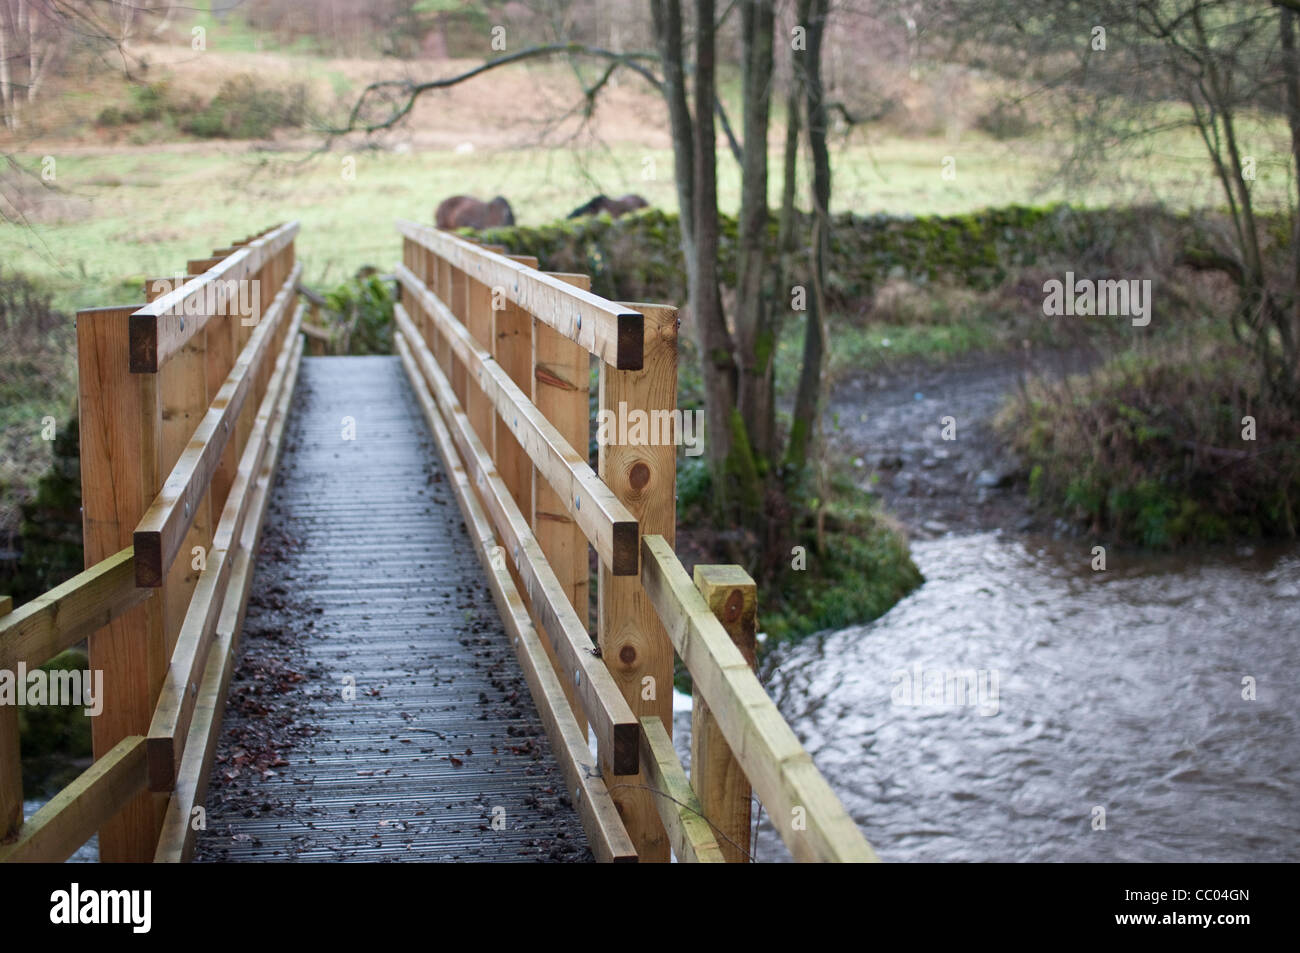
366 573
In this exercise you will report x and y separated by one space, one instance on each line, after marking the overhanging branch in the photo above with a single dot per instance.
403 94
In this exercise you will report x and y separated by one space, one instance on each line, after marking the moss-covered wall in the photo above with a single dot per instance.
638 257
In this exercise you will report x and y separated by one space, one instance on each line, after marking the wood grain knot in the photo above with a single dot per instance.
639 476
733 606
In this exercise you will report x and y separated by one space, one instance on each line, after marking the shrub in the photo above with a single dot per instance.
1006 121
243 109
1149 449
362 312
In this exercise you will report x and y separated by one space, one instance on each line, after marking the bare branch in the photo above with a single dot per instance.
403 94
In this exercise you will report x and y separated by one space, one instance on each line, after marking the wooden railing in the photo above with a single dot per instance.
182 407
498 354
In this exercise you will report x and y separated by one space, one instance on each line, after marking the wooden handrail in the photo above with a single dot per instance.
610 528
693 839
75 813
805 811
476 364
37 631
610 715
161 531
145 421
610 332
159 330
176 701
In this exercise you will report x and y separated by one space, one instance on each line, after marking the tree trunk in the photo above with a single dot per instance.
807 408
6 86
732 472
753 317
1291 71
667 17
785 234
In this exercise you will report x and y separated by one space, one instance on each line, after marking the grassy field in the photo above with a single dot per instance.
118 216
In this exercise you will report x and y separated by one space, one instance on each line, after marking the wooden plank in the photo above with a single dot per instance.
221 355
183 397
561 387
612 333
458 310
805 811
68 613
606 521
161 328
716 775
120 475
83 807
692 838
644 477
163 528
176 843
600 819
612 720
11 768
478 322
197 266
172 716
512 349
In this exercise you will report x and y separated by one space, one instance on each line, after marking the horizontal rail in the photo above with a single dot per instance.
74 814
608 331
161 531
611 717
600 818
175 707
176 844
688 830
805 811
37 631
161 328
607 523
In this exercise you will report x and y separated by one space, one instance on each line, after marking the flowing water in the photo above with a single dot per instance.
1117 691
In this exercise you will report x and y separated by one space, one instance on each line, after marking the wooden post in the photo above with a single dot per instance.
478 318
632 640
458 288
121 473
716 775
561 390
512 347
11 769
184 395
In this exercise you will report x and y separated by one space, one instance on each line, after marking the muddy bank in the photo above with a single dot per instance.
920 437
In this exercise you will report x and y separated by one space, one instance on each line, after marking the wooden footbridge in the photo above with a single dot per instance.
342 605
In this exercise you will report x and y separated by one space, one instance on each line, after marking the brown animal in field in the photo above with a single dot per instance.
615 207
465 211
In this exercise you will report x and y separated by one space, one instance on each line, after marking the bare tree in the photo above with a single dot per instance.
1123 64
736 358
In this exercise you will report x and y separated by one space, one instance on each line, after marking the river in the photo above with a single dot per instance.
1119 690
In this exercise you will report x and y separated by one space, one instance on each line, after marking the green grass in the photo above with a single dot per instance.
149 211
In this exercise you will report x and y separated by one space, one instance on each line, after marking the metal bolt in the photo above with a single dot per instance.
577 502
579 322
187 508
182 324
